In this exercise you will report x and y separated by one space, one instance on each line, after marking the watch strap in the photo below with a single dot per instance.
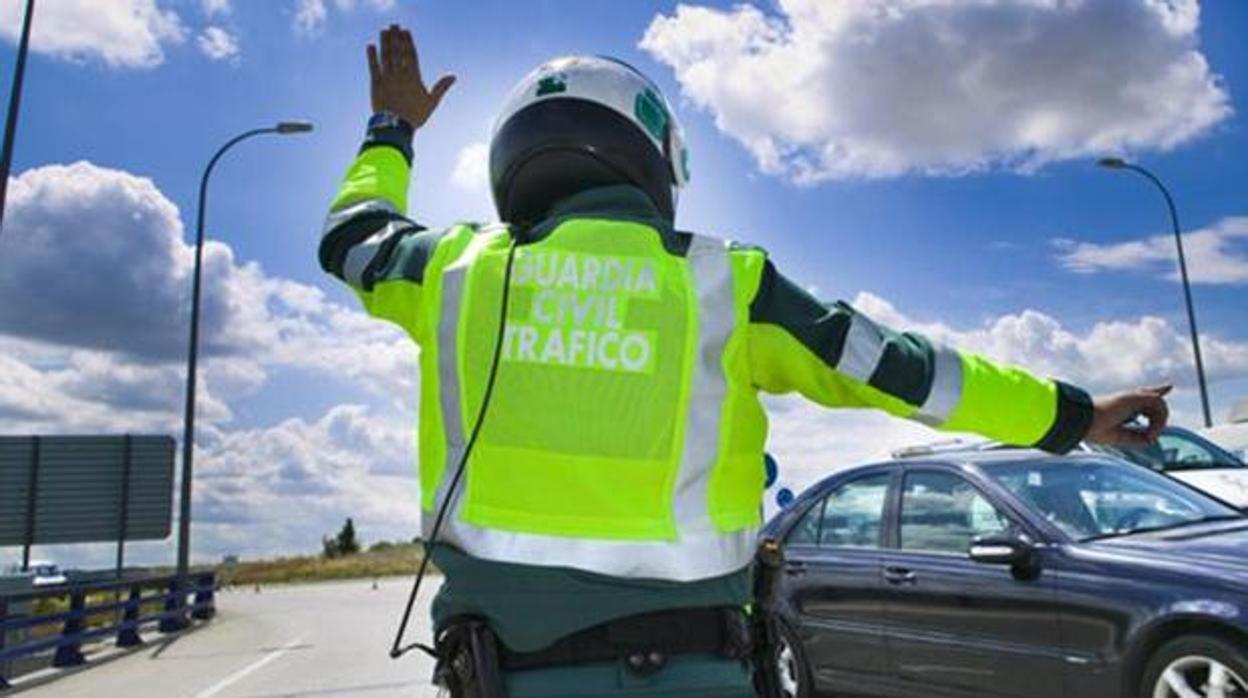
389 129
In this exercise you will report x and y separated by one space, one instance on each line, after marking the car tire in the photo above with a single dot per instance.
1196 663
789 660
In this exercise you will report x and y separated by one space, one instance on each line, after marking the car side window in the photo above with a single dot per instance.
854 513
942 512
1182 452
806 532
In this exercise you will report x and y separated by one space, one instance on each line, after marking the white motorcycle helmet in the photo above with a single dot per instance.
580 122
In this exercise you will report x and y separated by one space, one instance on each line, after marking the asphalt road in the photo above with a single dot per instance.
317 640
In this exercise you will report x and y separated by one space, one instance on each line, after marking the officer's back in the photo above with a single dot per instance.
591 435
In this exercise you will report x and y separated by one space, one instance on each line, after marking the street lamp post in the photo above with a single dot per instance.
15 103
192 359
1120 164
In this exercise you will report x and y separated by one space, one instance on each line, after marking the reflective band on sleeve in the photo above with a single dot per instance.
946 388
362 254
864 345
368 206
711 268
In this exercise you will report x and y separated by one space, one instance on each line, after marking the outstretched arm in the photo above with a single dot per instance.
368 242
838 357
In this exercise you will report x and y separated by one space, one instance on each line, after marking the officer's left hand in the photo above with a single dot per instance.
397 86
1112 415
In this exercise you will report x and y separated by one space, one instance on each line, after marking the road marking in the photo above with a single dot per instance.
242 673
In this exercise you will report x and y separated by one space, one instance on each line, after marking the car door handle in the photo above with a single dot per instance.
792 567
899 575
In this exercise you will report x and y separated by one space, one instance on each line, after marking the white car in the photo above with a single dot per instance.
1187 456
1232 436
45 573
1179 453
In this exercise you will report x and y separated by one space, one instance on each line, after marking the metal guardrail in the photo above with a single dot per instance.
74 628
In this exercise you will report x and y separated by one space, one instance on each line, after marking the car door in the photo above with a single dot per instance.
969 628
832 576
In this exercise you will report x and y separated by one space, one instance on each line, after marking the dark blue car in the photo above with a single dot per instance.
1008 574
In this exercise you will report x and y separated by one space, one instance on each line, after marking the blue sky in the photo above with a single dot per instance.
941 183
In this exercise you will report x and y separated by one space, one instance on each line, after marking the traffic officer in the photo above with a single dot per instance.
593 374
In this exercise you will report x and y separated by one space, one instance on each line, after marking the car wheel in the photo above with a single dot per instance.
1196 666
792 671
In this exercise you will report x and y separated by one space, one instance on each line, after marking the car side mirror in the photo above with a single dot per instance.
770 552
1001 550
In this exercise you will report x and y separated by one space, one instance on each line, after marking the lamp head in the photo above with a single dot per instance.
287 127
1112 163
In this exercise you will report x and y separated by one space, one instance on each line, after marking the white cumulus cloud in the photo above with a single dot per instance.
820 90
1217 254
50 389
212 8
311 16
472 167
121 33
298 480
127 269
217 43
121 284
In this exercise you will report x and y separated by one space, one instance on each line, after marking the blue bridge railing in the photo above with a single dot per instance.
125 616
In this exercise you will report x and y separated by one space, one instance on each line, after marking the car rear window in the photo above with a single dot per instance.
851 516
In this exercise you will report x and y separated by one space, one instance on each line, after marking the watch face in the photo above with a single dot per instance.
383 120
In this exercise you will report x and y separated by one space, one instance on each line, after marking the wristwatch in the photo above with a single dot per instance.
386 128
388 119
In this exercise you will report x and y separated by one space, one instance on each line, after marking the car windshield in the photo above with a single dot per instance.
1177 449
1090 499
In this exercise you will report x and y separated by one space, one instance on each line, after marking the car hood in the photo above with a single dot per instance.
1220 548
1228 484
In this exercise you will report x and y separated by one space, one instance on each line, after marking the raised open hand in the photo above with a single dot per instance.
397 86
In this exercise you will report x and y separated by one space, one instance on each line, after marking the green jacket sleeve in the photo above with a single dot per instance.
369 243
838 357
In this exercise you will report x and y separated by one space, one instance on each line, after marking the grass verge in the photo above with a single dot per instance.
378 561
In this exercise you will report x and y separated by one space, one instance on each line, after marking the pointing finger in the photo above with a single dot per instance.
1154 408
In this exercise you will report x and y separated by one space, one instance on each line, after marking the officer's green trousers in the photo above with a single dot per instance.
688 676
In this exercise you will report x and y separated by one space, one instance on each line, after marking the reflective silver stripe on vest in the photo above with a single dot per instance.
453 279
946 390
711 269
864 345
700 551
692 557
